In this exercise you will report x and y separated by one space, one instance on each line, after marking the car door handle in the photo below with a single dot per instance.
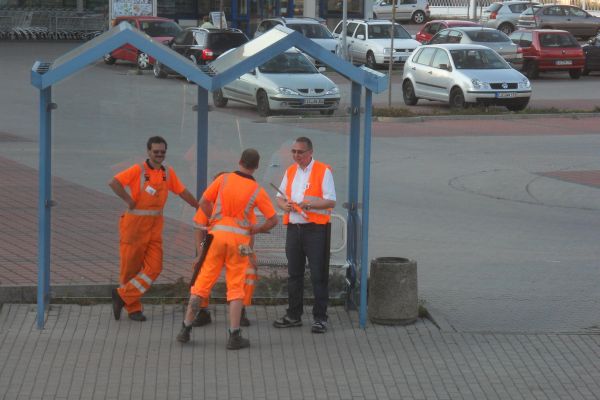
413 68
430 72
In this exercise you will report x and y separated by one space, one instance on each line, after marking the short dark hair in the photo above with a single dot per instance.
157 140
250 159
305 140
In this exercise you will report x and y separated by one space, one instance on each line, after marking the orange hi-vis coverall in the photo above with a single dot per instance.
234 197
141 229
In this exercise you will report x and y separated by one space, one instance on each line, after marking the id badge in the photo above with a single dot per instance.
150 190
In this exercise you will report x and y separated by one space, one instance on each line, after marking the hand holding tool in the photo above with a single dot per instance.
295 206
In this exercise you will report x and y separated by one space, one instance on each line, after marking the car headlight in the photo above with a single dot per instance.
333 90
387 50
524 84
287 91
478 84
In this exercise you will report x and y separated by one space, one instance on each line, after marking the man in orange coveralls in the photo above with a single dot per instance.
141 225
226 210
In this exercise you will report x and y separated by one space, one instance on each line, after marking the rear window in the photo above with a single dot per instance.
313 31
487 36
225 40
494 7
531 10
557 40
160 28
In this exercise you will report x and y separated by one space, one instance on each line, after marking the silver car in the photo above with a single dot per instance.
416 11
461 75
288 81
504 15
488 37
555 16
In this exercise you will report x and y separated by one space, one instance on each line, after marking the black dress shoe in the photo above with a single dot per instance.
137 316
117 304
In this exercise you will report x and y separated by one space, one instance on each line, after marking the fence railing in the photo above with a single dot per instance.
50 24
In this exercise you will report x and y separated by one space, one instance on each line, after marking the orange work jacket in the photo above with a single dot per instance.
313 192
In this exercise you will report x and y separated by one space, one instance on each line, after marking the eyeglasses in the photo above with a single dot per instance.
159 151
299 152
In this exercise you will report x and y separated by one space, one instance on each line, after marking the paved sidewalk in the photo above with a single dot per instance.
83 353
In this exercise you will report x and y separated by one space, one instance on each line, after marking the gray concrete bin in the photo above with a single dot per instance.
393 296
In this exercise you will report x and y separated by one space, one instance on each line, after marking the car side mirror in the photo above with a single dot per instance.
360 37
446 67
167 42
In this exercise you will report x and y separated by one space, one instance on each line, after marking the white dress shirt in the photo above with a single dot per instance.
299 186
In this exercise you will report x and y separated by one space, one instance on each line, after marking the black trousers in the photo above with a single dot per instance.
307 241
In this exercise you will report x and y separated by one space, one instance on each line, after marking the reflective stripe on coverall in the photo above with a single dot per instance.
141 241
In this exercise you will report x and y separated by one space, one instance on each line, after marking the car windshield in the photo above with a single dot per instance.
288 63
492 36
225 40
557 40
381 31
313 31
160 28
478 59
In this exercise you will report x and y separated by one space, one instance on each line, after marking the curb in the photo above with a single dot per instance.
425 118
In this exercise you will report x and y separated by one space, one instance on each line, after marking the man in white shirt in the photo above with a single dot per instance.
309 198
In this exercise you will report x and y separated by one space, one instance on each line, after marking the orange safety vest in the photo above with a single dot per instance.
235 221
313 192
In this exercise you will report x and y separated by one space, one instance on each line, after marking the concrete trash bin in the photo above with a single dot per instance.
393 296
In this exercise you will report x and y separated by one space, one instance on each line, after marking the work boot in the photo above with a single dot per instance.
244 321
202 318
184 334
117 304
236 341
137 316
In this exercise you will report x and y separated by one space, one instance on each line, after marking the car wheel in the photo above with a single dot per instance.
262 104
143 61
506 28
418 17
457 99
326 112
158 71
371 60
408 92
108 59
518 105
219 100
575 73
585 72
531 70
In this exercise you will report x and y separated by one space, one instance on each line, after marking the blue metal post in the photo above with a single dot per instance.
202 142
364 262
44 204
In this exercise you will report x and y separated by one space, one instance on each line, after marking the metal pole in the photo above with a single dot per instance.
364 261
44 204
202 142
391 54
344 50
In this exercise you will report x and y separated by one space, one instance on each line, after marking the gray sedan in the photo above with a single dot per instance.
488 37
461 75
556 16
289 81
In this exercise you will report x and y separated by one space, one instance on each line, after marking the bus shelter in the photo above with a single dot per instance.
44 75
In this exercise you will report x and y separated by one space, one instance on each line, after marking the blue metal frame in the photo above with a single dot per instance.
43 76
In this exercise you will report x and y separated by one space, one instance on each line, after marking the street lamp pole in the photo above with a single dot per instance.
344 49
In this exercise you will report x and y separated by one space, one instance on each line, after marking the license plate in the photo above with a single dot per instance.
505 94
314 101
564 62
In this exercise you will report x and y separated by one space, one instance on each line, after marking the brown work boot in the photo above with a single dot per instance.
137 316
184 334
236 341
117 304
244 321
202 318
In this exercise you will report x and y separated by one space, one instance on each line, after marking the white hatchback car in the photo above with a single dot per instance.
288 81
463 74
369 42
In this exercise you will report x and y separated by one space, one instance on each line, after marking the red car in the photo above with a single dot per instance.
549 50
432 27
160 29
